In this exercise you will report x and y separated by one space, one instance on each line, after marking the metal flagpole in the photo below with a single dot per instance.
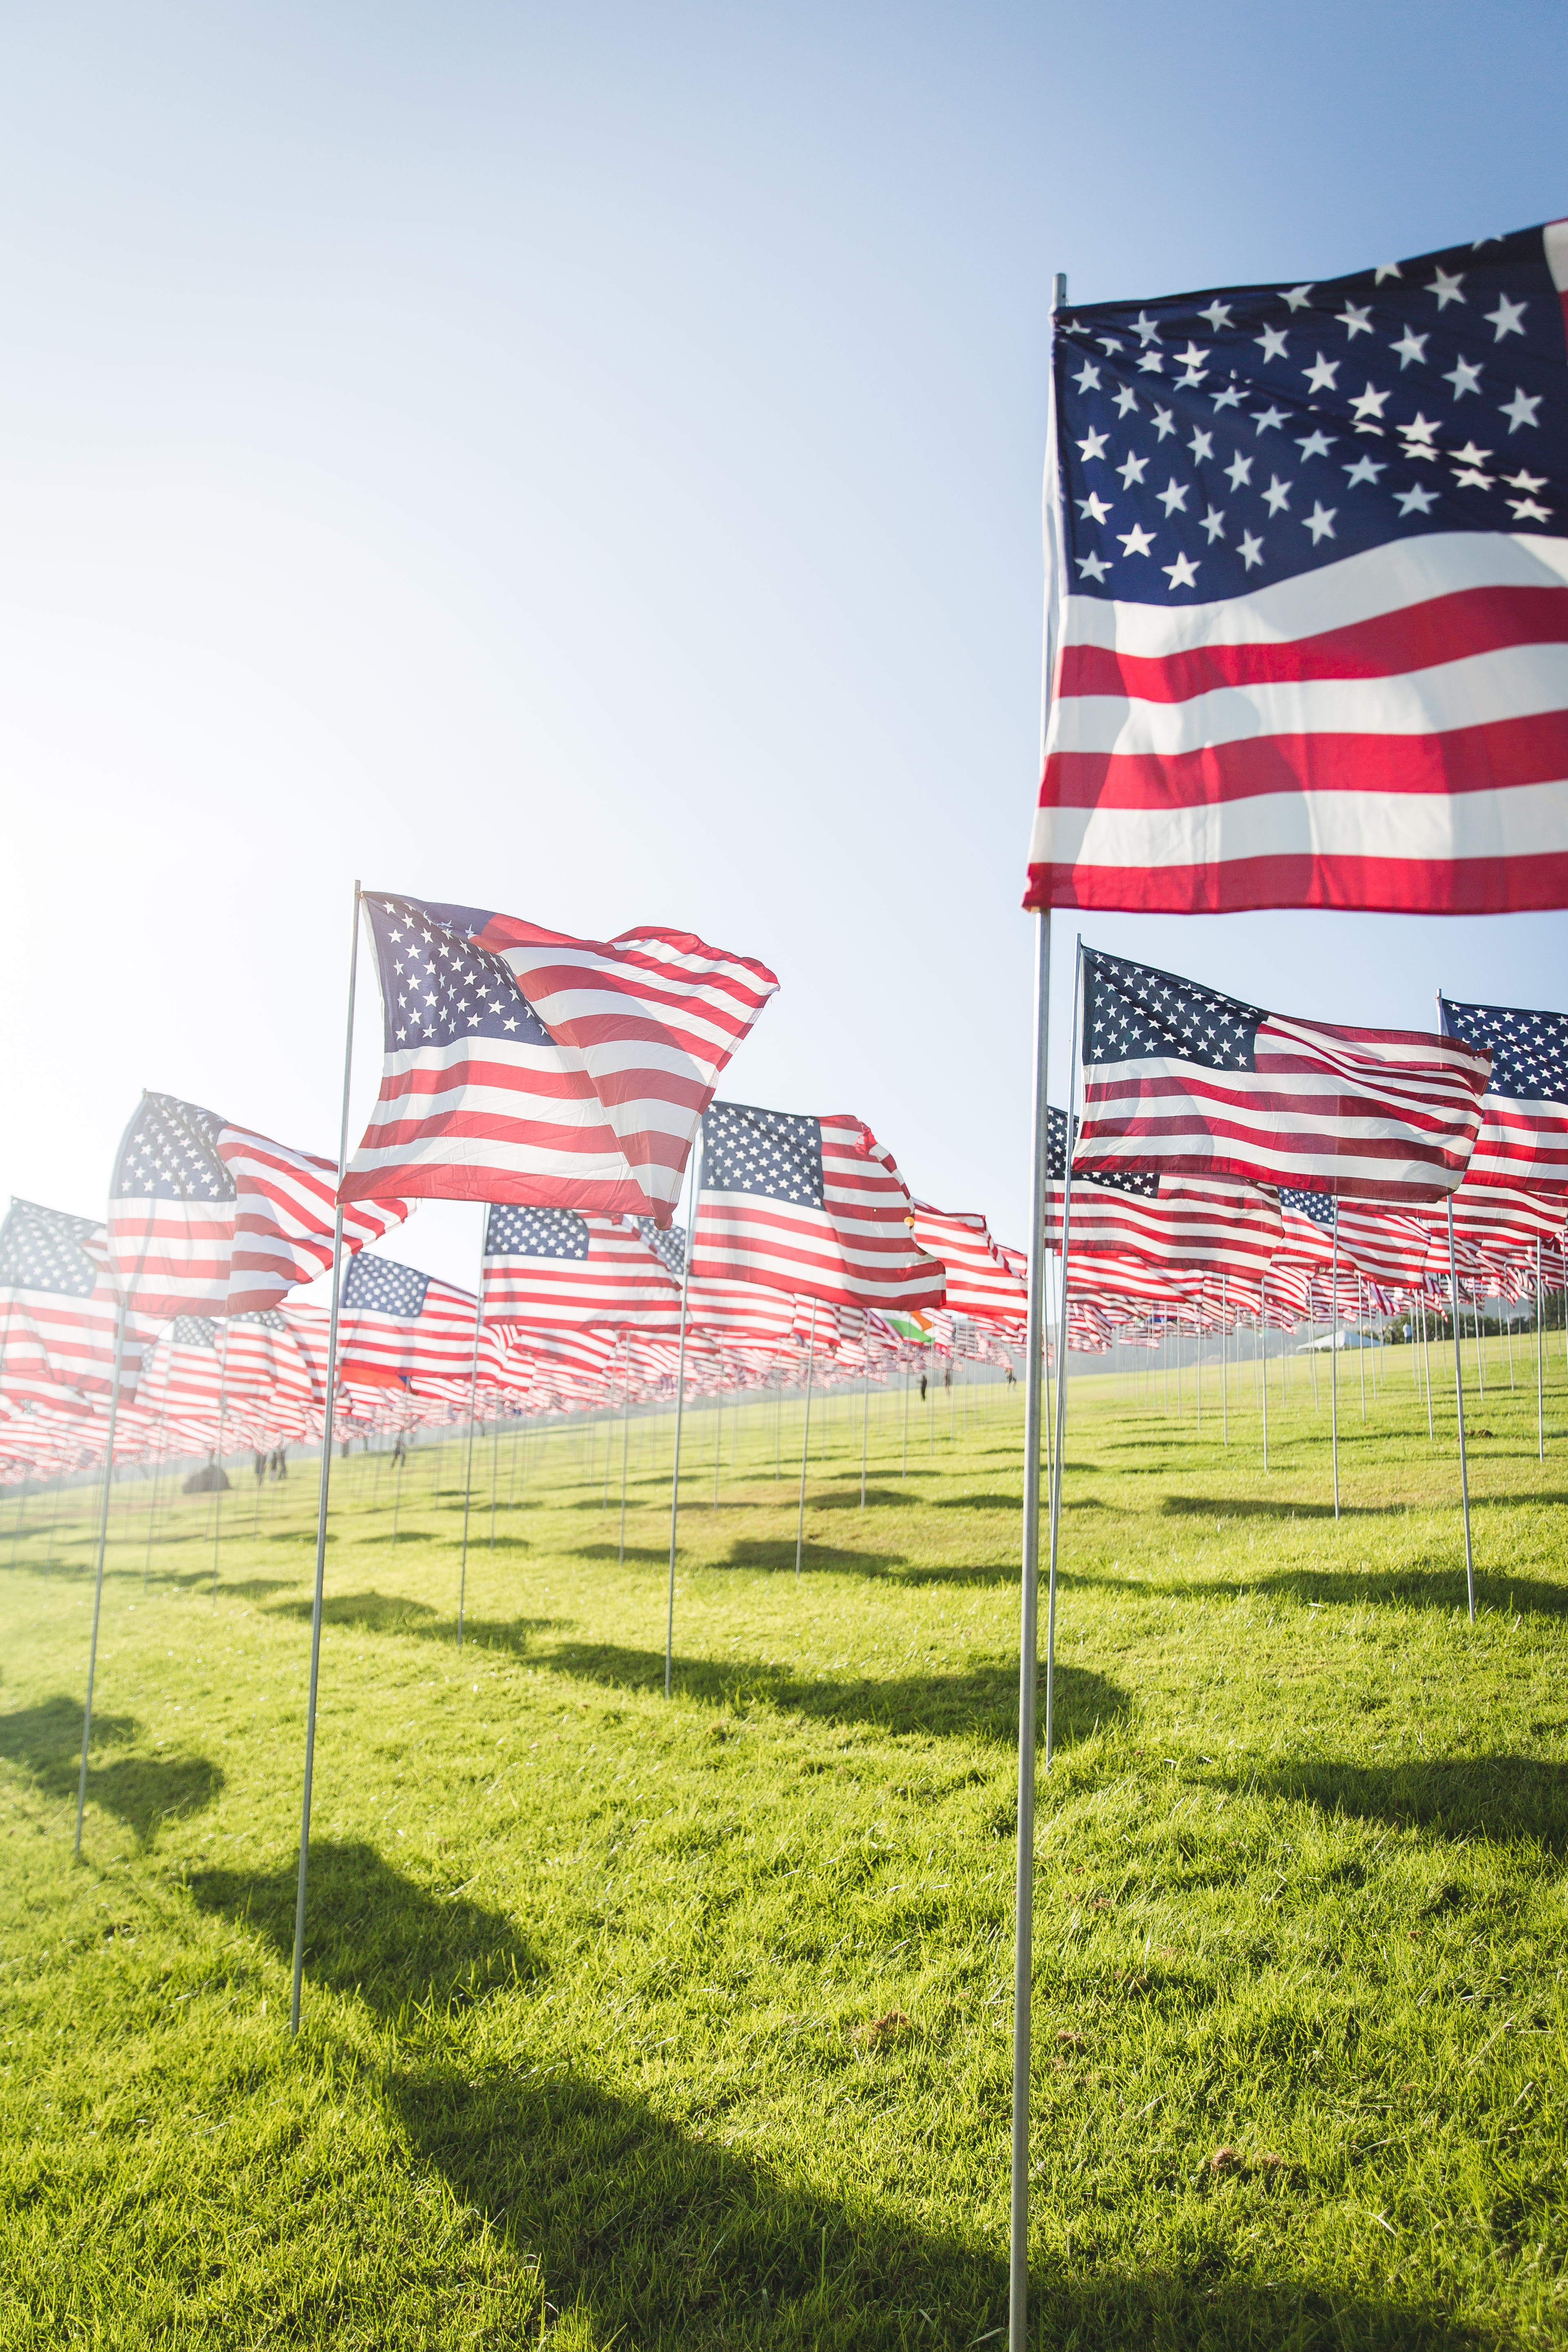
1223 1382
1334 1353
473 1394
1361 1343
866 1417
97 1587
1459 1402
626 1438
1539 1356
806 1440
217 1491
1057 1462
1023 1896
1263 1335
681 1399
332 1381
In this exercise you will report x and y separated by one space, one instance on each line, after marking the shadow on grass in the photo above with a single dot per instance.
648 2234
142 1791
1503 1798
394 1612
1425 1584
982 1703
1252 1507
372 1932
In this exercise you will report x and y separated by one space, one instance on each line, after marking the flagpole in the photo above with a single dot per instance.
217 1491
1334 1353
691 1215
806 1440
1057 1451
331 1376
98 1586
473 1392
1459 1403
1263 1334
1540 1357
1029 1645
625 1436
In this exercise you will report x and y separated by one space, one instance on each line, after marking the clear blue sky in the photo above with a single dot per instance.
587 461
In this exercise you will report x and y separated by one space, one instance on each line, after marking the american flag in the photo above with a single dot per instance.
397 1326
58 1306
285 1211
1503 1222
269 1388
1307 593
979 1282
525 1066
1187 1082
1524 1118
1193 1223
553 1268
170 1211
813 1206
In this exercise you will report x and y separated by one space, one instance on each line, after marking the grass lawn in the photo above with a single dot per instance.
688 2023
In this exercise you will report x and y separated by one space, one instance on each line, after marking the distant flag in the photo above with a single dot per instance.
1190 1223
1309 575
1524 1118
57 1305
556 1268
813 1206
285 1210
1185 1082
398 1326
525 1066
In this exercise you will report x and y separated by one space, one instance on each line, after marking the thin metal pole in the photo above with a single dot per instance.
865 1426
805 1441
217 1491
626 1439
1028 1656
1335 1354
1263 1337
1360 1344
1223 1382
1539 1356
1459 1403
331 1376
98 1586
1426 1362
905 1471
473 1394
691 1217
1057 1462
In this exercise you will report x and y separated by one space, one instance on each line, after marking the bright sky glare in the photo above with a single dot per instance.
587 462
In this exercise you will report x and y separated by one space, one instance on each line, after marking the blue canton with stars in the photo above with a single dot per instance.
1530 1050
1212 443
770 1152
436 986
1130 1011
535 1233
195 1331
670 1243
41 1249
171 1154
384 1287
1318 1207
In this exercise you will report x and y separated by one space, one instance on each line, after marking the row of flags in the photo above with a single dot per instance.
1225 1161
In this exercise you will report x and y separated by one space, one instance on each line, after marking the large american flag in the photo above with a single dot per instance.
57 1305
521 1066
555 1268
1217 1224
813 1206
1184 1081
1524 1118
1308 549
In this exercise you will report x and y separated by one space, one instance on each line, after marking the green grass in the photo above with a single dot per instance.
689 2024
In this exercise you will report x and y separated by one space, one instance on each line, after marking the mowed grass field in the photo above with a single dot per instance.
639 2023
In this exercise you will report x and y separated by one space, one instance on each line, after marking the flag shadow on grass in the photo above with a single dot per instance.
371 1931
651 2234
1429 1583
1503 1798
982 1703
141 1791
392 1612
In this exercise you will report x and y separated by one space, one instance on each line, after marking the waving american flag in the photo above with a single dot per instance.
1524 1118
1308 582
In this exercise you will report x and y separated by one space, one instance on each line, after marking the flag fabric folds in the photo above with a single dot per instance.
285 1211
522 1067
813 1206
1307 593
1185 1082
1524 1118
396 1325
979 1282
57 1305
